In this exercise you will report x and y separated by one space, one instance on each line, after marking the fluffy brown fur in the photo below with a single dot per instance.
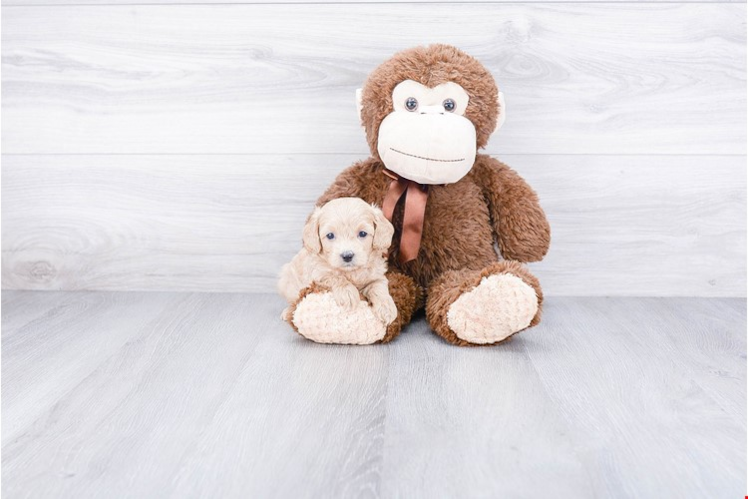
408 298
451 284
491 204
431 66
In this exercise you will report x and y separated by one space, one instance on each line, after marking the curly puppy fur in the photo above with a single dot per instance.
321 258
491 204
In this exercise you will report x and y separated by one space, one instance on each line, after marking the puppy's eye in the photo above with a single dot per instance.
411 104
449 105
330 236
363 234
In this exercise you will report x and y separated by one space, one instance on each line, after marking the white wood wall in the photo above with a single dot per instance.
179 145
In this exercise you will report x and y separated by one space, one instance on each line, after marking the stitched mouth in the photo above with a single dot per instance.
424 158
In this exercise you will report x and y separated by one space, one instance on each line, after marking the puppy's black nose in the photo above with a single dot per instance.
347 256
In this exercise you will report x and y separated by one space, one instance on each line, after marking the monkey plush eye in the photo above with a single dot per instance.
411 104
330 236
362 234
449 105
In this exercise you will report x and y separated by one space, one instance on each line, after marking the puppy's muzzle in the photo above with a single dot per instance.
347 256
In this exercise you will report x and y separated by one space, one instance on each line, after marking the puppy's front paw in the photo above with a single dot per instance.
384 308
346 296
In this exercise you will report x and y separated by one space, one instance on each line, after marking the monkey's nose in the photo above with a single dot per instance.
347 256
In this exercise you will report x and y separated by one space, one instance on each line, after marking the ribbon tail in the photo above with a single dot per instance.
415 208
394 193
413 216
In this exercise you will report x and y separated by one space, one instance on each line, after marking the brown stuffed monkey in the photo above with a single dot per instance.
426 111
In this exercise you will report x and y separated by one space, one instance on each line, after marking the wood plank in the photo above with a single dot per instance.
87 328
21 307
169 375
305 420
625 377
716 355
211 381
637 225
213 396
611 78
473 423
632 421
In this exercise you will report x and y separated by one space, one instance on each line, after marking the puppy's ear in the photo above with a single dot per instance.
310 236
383 231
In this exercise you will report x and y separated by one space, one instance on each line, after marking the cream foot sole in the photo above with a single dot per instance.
319 318
501 304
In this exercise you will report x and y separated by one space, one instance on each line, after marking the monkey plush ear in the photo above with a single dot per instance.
310 236
502 112
359 102
383 231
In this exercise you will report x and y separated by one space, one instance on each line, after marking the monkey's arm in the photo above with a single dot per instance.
519 223
363 180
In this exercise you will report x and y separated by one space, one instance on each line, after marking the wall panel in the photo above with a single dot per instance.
627 78
627 225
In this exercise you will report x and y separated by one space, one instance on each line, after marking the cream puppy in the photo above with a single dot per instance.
345 249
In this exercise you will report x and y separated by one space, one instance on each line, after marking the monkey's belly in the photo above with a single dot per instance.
457 232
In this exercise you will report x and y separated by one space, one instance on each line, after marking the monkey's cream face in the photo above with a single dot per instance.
427 138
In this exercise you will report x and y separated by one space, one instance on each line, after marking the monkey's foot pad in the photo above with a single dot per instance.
501 305
319 318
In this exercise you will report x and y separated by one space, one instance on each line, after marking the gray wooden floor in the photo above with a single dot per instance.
169 394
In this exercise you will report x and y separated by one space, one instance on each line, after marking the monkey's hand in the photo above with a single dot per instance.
520 225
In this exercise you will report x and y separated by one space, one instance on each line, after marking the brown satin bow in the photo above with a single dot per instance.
415 209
